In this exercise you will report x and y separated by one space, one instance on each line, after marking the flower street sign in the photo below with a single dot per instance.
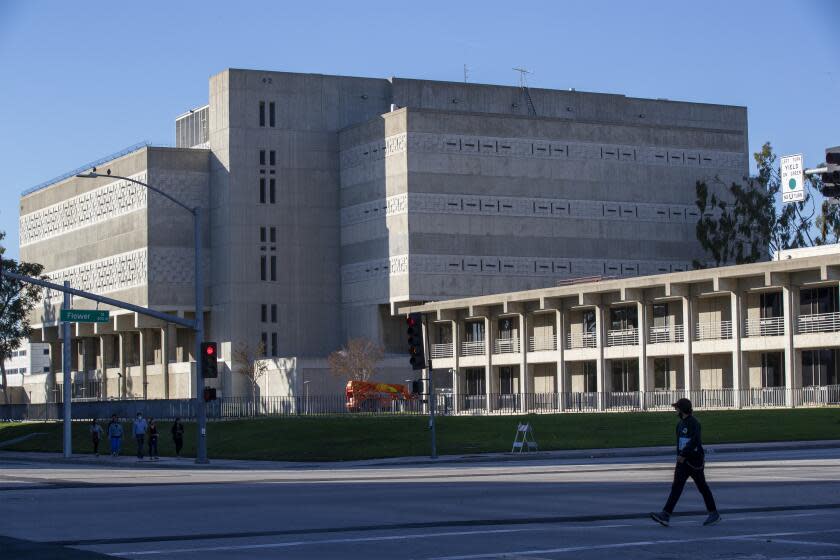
85 315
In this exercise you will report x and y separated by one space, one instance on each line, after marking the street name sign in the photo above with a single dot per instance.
85 315
793 178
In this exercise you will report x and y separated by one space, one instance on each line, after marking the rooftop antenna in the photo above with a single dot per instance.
523 85
466 73
523 79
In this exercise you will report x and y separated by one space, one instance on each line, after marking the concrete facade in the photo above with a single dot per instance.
765 334
330 200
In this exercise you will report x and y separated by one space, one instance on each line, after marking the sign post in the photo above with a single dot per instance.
793 178
68 381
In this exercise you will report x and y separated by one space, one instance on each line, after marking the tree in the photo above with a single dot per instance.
17 300
249 362
751 222
356 360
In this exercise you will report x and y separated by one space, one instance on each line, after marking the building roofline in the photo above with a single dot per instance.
86 167
699 276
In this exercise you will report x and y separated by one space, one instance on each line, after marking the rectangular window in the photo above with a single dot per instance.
46 369
271 114
273 312
264 343
771 305
262 234
262 157
46 351
264 313
272 158
274 344
273 268
475 381
273 235
262 113
262 267
262 190
271 191
772 369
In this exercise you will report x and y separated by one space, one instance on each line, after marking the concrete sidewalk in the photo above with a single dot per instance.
130 461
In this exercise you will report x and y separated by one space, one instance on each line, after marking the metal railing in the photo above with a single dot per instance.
540 343
762 397
443 350
769 326
472 348
446 404
623 337
713 330
506 346
667 333
580 340
818 322
817 396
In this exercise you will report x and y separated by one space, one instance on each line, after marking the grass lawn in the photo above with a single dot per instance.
336 438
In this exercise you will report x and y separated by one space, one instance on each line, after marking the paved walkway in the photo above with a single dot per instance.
128 460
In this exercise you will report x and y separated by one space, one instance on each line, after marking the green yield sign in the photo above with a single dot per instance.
85 315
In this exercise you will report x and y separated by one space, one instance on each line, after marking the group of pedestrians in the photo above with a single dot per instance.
139 429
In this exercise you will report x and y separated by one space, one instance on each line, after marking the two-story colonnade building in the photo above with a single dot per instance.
764 334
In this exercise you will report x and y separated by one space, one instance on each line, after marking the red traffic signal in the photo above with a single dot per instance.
208 363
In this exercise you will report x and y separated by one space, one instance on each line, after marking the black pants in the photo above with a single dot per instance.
153 450
179 443
140 438
681 474
96 444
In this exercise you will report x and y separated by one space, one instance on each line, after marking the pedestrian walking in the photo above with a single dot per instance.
140 427
178 436
115 433
95 435
691 462
153 440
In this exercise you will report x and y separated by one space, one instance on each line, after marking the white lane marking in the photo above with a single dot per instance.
791 541
631 544
752 518
349 540
304 543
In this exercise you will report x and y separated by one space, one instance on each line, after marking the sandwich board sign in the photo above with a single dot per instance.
793 178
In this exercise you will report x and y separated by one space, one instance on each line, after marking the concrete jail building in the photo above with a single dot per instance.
330 201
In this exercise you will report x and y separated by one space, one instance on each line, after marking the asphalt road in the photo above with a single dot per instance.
784 504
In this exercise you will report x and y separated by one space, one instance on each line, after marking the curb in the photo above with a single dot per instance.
568 455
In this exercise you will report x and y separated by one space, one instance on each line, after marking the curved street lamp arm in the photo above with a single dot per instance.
93 174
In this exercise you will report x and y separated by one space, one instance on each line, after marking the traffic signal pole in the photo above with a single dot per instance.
201 406
431 385
68 382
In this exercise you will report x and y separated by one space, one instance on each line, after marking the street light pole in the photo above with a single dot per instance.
198 322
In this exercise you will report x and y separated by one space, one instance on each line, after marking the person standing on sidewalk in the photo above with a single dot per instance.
95 435
690 463
140 427
178 436
153 440
115 433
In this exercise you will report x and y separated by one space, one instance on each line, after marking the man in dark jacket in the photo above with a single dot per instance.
690 463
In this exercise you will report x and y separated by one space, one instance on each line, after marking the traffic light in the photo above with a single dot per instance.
831 178
209 394
209 355
417 387
414 324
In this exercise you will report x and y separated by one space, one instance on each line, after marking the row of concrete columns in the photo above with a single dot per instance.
790 311
105 352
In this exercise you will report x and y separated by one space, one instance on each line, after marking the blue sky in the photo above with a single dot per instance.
79 80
